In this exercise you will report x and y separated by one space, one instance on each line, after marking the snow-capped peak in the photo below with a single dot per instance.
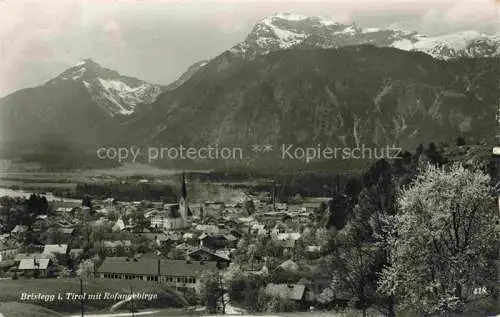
113 92
87 62
286 30
84 68
298 17
283 31
80 63
459 44
287 16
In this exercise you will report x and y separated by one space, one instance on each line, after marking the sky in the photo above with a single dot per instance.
156 40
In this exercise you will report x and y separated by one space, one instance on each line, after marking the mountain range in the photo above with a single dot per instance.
293 79
285 31
288 31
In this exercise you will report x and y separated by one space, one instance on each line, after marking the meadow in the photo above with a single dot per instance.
11 291
13 309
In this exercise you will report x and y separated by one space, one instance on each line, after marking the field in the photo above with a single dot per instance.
18 177
13 309
12 305
13 290
182 313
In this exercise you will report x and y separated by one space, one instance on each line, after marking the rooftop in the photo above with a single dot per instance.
151 266
289 291
34 264
55 249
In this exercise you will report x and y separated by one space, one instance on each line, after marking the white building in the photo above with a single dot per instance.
173 216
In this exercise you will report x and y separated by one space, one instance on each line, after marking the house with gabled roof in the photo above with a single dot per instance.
35 267
184 247
110 246
75 253
286 240
55 249
166 240
294 292
21 256
119 225
289 265
208 229
203 254
8 250
217 241
19 229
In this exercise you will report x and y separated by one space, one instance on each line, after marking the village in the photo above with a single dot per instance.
173 244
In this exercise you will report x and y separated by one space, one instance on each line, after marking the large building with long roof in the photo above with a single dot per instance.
183 275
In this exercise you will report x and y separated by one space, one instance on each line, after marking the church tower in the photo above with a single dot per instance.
183 201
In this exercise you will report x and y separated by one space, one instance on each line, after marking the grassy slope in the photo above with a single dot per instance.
11 290
12 309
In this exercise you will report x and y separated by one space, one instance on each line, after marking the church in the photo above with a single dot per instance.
177 216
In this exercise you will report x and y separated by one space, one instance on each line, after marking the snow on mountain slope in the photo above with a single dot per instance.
114 93
460 44
288 31
282 31
285 31
129 97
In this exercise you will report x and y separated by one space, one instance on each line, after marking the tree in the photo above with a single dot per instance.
176 254
321 211
249 207
38 205
444 242
338 209
63 272
432 155
326 296
87 202
244 289
372 217
460 141
361 246
212 292
278 304
140 221
85 269
56 236
355 262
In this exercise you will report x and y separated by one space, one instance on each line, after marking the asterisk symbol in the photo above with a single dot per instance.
268 148
256 148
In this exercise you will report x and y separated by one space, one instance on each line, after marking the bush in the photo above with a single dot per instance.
277 304
191 297
244 290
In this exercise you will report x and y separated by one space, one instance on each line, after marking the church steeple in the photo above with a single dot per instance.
183 188
183 201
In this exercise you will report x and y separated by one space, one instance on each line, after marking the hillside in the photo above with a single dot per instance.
13 309
11 291
345 97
